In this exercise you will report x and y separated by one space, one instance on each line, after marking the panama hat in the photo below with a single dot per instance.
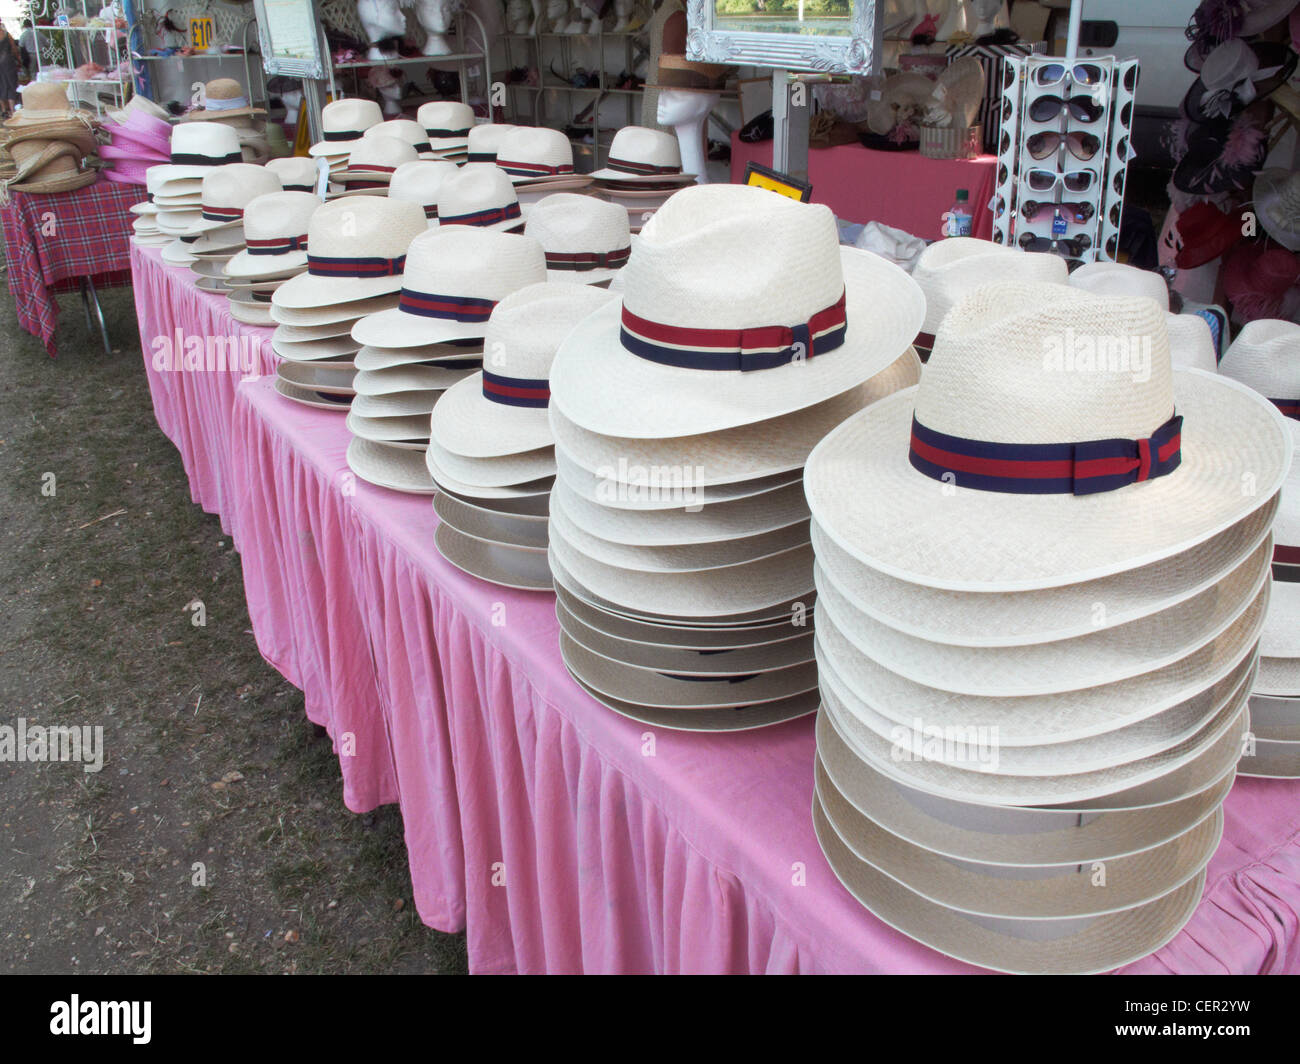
446 124
296 173
1277 202
219 244
1019 533
1271 759
248 310
371 164
453 356
275 232
1265 356
483 141
535 153
334 380
640 155
333 313
455 275
420 182
227 190
395 468
404 129
479 195
789 319
496 526
502 409
328 349
409 431
177 253
343 122
503 471
586 240
1277 716
195 149
223 99
948 270
498 563
356 247
413 377
307 397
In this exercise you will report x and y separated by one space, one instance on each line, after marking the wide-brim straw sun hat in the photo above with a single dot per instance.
275 232
501 410
223 99
307 397
343 123
513 530
586 240
1175 444
639 155
1265 356
738 305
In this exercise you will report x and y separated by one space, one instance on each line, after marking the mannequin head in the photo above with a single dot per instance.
677 107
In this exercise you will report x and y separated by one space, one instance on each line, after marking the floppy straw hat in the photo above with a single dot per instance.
227 190
640 155
738 305
484 140
223 99
1265 356
372 162
446 124
420 183
1174 445
275 235
535 153
480 195
356 250
343 122
407 130
296 173
586 240
195 149
455 275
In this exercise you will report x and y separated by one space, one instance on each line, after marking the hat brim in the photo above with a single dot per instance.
1278 677
621 177
462 489
395 468
331 380
600 386
395 328
398 404
410 431
329 314
380 358
249 313
333 149
176 253
1275 717
313 350
506 226
497 563
307 397
310 292
203 115
510 530
267 267
1272 760
502 471
410 377
467 423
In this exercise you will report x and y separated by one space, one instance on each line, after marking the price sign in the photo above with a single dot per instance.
201 33
782 184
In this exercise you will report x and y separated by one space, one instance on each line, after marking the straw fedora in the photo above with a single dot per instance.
640 155
950 269
195 149
412 377
785 316
586 240
455 275
498 526
535 153
331 313
1018 532
484 140
356 250
296 173
460 354
223 99
407 130
410 432
46 166
520 568
1277 201
334 380
343 122
227 190
420 183
275 235
395 468
479 195
371 164
307 397
446 124
1265 356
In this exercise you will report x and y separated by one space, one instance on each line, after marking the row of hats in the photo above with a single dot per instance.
47 146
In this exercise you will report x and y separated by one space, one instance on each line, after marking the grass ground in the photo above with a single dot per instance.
209 760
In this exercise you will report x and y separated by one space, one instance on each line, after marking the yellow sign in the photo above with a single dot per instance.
201 33
302 132
764 177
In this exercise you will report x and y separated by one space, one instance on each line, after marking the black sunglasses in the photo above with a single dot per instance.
1078 213
1081 108
1072 246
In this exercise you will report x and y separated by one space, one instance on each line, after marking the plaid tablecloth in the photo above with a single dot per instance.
51 241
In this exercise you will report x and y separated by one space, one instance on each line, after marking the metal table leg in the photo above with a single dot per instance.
89 300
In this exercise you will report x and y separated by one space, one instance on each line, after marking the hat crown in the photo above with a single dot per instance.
488 136
734 257
294 170
475 187
211 139
420 181
404 129
445 114
949 269
364 227
381 151
223 89
45 96
276 215
642 145
1265 356
536 144
1286 528
350 114
1025 363
234 184
527 327
464 260
565 222
1118 279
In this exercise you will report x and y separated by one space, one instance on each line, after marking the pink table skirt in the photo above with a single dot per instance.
563 837
903 189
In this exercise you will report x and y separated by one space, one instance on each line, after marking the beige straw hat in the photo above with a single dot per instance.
371 164
395 468
307 397
404 129
535 153
446 124
227 190
479 195
639 155
296 173
223 99
343 122
586 240
196 147
275 234
1265 356
521 568
334 380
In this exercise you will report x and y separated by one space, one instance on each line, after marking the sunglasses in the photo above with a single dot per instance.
1080 74
1078 213
1080 145
1072 246
1073 180
1081 108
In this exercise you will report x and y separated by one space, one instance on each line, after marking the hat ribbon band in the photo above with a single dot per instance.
1289 407
481 157
516 391
1083 468
628 166
348 267
342 134
449 308
534 169
212 103
764 347
300 188
446 134
223 214
277 246
431 210
489 216
583 261
1286 563
185 158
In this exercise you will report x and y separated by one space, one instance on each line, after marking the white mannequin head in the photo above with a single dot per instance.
677 107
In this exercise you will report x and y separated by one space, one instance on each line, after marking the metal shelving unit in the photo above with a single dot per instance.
69 47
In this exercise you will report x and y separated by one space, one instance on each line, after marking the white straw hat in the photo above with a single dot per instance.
948 270
414 377
343 122
446 123
404 129
465 354
332 313
738 305
499 563
395 468
966 450
420 182
227 191
296 173
307 397
372 161
535 153
1265 356
1119 279
195 148
455 275
484 140
586 240
356 248
502 409
639 155
479 195
275 234
1191 344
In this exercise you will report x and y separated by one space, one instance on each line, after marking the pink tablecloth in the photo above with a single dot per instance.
569 839
902 189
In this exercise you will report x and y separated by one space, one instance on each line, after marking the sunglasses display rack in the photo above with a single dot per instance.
1062 142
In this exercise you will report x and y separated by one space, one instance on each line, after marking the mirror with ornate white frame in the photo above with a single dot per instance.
834 36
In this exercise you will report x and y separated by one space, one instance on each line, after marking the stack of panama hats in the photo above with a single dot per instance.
48 141
404 129
275 238
586 240
343 123
455 275
489 439
643 168
1040 595
139 136
539 161
682 418
356 250
420 182
175 187
950 269
226 101
371 165
484 140
218 228
446 125
296 173
1266 357
481 195
1191 344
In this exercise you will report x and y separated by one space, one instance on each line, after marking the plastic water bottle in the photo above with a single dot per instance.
957 221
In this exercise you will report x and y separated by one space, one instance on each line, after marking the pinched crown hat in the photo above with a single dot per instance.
641 155
222 98
227 191
195 149
1265 356
535 153
738 305
420 183
404 129
372 162
342 123
481 195
296 173
485 139
447 124
1045 420
275 234
586 240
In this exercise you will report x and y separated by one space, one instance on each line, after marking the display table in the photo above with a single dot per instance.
561 836
54 241
899 188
